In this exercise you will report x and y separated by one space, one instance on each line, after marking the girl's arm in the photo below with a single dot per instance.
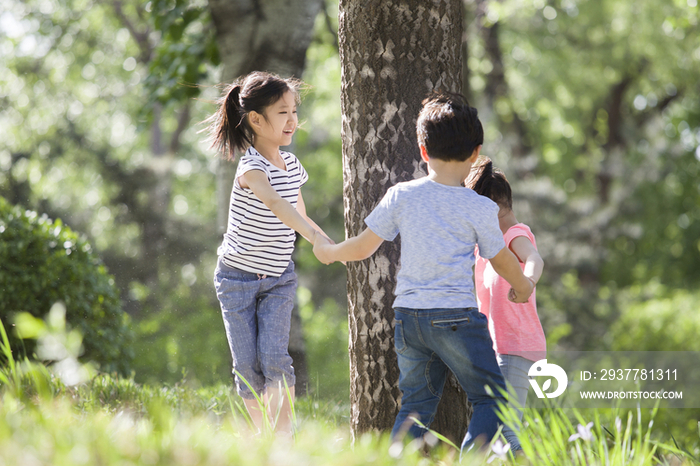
525 251
257 181
353 249
506 265
301 208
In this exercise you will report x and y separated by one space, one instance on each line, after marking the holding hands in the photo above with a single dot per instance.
354 249
322 248
521 296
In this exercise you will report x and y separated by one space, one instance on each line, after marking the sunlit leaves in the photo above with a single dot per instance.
185 49
604 96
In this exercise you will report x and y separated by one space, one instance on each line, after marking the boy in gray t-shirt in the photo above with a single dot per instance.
437 323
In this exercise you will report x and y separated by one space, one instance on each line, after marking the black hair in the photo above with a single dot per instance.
228 126
490 182
448 127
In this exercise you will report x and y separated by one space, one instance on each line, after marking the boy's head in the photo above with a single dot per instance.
448 127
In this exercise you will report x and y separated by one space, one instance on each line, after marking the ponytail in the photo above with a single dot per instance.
491 183
228 127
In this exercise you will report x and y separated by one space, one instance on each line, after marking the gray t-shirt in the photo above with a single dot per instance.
439 227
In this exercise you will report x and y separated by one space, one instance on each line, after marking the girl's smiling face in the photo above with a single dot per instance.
279 122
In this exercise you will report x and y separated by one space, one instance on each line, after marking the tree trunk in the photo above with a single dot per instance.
263 35
393 54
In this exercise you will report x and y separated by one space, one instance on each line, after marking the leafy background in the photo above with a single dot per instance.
592 109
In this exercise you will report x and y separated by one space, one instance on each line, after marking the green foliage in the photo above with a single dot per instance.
669 322
187 46
184 339
554 437
121 421
44 262
596 122
655 318
602 94
326 337
75 145
22 379
657 234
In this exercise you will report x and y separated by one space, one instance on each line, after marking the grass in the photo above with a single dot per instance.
109 420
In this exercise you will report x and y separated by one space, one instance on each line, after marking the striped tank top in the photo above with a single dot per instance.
256 240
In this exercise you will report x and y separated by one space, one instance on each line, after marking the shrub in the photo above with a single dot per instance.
667 322
43 262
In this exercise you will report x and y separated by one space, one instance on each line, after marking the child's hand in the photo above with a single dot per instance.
322 248
521 296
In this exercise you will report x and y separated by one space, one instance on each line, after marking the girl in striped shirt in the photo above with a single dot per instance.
254 278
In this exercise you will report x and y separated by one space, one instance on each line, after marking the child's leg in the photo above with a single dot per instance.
237 291
255 411
461 339
514 370
279 401
275 303
421 378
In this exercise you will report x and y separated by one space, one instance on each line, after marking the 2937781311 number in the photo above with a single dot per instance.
638 374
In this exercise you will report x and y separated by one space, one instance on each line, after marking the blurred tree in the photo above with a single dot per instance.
98 119
594 113
77 145
392 54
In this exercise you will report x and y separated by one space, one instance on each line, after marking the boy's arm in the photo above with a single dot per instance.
506 265
526 252
257 181
353 249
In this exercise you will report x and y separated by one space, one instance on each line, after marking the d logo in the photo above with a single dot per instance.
541 368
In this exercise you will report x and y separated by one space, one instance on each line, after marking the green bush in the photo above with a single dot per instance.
654 318
667 322
43 262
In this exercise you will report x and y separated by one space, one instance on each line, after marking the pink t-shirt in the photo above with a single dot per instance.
515 328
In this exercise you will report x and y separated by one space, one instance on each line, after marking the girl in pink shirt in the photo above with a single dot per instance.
516 331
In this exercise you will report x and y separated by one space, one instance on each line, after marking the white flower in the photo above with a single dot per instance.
584 433
500 451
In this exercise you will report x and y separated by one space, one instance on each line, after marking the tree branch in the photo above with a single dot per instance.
183 121
497 85
652 111
141 37
329 25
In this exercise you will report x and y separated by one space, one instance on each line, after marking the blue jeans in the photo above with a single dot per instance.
428 342
514 370
257 313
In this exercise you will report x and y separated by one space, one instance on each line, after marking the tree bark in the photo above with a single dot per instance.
393 54
263 35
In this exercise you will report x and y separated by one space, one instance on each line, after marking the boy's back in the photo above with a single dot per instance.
436 323
439 227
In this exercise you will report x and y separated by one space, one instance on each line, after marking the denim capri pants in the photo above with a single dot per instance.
257 312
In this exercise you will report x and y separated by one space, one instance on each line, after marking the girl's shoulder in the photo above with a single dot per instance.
253 156
519 229
252 159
